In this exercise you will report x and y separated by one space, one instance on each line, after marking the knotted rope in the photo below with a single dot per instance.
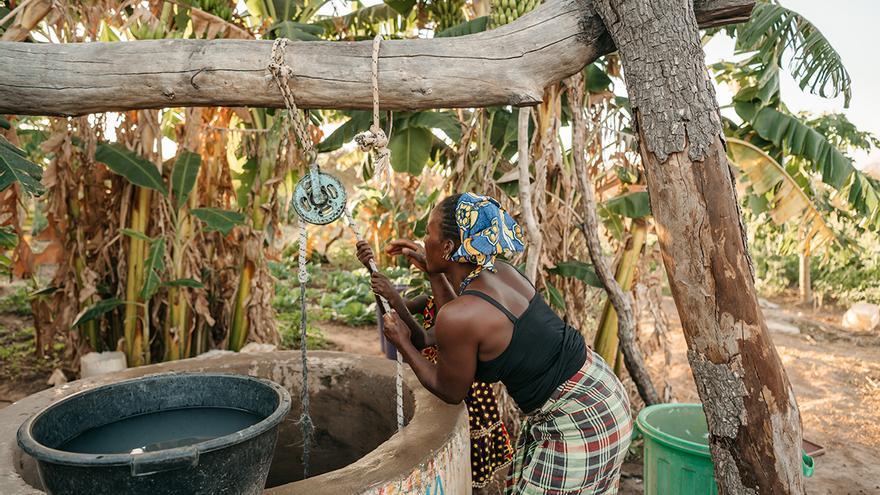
281 72
387 309
375 139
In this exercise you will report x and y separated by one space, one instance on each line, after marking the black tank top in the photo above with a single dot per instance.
543 353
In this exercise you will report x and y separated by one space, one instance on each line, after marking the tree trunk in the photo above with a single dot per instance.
533 230
622 301
804 282
754 424
508 65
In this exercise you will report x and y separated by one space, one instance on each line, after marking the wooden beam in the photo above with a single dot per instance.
509 65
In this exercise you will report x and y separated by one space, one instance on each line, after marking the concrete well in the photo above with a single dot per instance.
358 449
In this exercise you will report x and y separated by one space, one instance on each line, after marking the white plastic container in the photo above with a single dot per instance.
862 316
99 363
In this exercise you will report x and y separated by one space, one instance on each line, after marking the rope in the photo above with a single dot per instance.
281 72
387 309
375 139
305 420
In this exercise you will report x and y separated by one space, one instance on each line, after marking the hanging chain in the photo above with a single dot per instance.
387 309
305 419
281 72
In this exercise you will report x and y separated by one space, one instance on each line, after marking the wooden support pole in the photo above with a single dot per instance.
508 65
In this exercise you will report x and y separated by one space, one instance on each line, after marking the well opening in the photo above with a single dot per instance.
353 413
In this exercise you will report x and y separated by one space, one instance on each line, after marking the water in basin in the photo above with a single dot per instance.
161 430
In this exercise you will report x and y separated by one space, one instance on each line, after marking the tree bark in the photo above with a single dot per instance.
622 301
754 423
508 65
533 230
804 280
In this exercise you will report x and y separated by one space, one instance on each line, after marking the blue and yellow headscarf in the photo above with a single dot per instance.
487 230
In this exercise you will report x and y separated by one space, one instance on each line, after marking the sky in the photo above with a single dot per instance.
852 28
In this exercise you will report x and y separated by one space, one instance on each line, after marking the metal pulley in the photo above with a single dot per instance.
319 198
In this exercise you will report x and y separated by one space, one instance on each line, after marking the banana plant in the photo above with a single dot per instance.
154 274
773 189
772 36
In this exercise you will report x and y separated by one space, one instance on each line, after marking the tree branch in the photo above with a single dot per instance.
533 257
622 301
510 65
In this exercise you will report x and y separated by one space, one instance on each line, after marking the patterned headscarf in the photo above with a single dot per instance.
487 230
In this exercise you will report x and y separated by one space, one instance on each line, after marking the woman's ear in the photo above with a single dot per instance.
448 248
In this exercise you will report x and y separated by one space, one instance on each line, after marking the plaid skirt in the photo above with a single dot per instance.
576 442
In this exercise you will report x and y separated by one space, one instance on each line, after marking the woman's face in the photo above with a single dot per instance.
437 249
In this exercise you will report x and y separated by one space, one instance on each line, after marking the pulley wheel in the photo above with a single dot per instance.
331 198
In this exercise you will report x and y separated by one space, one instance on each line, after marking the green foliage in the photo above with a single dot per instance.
358 122
474 26
291 333
97 310
183 176
410 149
17 302
297 31
15 167
184 282
578 270
630 205
774 31
596 79
402 7
8 237
137 169
137 235
798 139
554 296
153 267
218 220
842 276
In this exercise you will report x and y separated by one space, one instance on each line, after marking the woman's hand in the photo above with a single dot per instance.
364 253
382 286
395 330
414 252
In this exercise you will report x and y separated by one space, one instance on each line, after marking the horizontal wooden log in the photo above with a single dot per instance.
509 65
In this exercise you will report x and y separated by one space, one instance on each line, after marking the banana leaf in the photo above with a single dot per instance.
15 167
763 176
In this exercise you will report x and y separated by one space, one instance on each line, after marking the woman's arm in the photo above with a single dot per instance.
417 304
441 289
382 287
451 378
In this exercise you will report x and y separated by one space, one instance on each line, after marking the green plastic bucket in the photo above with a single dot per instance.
676 454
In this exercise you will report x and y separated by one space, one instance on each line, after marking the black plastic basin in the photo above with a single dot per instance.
193 433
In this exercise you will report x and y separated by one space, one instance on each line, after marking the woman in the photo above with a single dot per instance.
491 450
500 329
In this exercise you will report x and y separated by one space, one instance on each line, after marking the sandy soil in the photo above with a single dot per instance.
836 377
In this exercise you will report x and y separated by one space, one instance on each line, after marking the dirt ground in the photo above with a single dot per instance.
835 374
836 377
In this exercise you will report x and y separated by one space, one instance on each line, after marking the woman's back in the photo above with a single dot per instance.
533 350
